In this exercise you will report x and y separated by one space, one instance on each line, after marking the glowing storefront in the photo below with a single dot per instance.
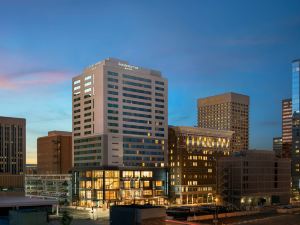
101 187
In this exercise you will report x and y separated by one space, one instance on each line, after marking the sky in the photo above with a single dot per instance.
203 48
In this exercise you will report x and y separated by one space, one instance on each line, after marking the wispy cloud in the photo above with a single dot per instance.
18 72
26 80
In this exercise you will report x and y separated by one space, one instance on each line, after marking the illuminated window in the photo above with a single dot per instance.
98 184
146 173
147 192
127 173
158 183
76 88
137 174
76 82
88 77
88 83
146 183
99 195
87 90
127 184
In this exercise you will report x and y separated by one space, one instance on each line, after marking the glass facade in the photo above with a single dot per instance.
295 86
103 187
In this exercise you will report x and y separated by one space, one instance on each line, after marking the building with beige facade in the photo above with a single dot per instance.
229 111
193 152
54 153
120 116
254 177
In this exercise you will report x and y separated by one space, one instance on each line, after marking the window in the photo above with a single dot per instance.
112 73
76 88
87 90
136 78
88 77
158 183
88 83
76 82
159 82
146 173
146 183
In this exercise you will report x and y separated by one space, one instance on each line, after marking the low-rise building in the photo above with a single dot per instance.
193 152
54 153
54 186
137 215
254 177
104 186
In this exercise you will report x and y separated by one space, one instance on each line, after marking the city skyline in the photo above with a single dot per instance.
43 47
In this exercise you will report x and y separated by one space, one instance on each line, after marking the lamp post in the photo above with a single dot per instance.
215 221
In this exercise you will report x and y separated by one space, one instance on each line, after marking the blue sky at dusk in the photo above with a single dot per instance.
203 47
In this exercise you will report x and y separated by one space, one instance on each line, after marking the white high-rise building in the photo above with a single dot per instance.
120 116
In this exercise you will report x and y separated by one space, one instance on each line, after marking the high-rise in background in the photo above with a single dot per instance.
229 111
295 153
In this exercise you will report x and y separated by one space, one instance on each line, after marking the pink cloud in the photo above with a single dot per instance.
20 72
26 80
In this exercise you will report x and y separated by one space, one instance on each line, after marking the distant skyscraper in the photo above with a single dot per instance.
229 111
296 85
295 153
12 145
54 153
277 146
120 116
286 127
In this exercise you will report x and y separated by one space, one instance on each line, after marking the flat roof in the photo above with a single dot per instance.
137 206
19 201
202 131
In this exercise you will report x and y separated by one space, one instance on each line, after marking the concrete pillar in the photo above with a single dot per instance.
57 210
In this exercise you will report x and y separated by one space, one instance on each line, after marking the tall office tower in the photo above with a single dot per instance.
296 86
295 153
54 153
277 146
120 116
286 127
229 111
193 152
12 145
295 156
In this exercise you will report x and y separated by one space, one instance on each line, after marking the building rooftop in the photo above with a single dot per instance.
137 206
10 119
225 97
203 131
57 132
114 62
19 201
